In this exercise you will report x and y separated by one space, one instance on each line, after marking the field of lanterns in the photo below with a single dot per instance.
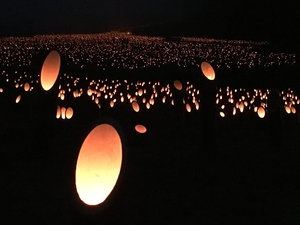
115 128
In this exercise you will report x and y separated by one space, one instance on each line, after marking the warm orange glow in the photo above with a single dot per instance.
222 114
63 112
58 112
188 107
98 164
177 85
261 112
234 111
69 113
26 86
208 70
135 106
50 70
18 99
241 107
140 129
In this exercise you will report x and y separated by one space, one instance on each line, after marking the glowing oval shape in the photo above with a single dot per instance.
241 107
293 109
178 85
188 107
140 92
140 129
50 70
261 112
69 113
208 70
288 109
222 114
148 105
98 164
26 86
135 106
111 103
18 99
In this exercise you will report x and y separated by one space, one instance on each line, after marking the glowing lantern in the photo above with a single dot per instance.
26 86
261 112
197 105
177 85
288 109
58 112
98 164
148 105
188 107
140 92
50 70
1 90
89 92
140 129
208 70
241 107
112 103
222 114
234 111
135 106
293 109
69 113
63 112
18 99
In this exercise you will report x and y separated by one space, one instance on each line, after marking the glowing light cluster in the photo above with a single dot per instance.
123 50
256 100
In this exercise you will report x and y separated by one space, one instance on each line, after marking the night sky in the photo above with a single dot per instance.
247 19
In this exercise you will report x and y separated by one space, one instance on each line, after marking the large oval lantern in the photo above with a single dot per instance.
208 70
98 164
178 85
50 70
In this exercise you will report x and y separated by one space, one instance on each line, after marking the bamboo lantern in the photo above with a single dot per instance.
208 70
140 129
50 70
98 165
178 85
261 112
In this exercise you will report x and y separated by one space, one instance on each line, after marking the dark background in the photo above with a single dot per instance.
257 20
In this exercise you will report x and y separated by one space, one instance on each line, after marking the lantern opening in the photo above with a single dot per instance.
140 129
208 70
50 70
178 85
98 164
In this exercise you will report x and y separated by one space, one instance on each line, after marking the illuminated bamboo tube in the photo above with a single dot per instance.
50 70
98 165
